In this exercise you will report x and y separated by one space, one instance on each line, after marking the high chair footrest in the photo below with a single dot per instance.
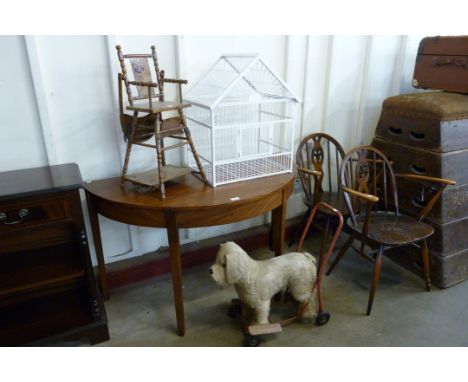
151 177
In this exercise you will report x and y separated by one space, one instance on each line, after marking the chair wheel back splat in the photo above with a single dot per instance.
318 159
369 187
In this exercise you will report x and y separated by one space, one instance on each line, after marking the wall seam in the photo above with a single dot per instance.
304 87
110 46
363 92
326 85
41 99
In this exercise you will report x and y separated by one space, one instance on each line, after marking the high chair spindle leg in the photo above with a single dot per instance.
192 146
159 153
129 147
162 143
127 157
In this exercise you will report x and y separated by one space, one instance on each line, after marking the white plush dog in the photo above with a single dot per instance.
256 282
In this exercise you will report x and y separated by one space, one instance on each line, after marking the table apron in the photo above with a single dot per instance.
227 214
188 218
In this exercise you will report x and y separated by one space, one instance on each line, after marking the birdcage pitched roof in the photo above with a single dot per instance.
235 79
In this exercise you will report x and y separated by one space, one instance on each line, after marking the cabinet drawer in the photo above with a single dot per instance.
19 214
44 236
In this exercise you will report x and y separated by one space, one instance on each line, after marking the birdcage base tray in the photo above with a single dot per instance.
150 178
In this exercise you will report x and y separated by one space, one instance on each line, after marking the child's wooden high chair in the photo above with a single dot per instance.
137 130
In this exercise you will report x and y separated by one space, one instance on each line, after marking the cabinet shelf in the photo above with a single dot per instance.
45 316
39 268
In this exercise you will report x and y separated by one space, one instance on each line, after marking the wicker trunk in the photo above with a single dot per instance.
427 134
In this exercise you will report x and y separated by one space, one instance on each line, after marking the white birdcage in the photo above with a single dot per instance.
242 120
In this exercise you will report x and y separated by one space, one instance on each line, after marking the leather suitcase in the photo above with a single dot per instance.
410 159
436 121
442 63
445 271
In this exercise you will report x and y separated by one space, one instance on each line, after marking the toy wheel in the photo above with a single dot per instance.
252 341
322 318
234 310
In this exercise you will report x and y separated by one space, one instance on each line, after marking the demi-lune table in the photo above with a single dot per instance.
189 203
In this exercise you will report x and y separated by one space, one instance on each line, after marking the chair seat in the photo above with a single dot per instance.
158 107
145 127
388 229
334 199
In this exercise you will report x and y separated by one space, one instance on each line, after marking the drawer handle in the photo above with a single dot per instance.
417 169
22 213
417 136
394 130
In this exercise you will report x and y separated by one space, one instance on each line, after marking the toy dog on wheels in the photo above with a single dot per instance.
257 282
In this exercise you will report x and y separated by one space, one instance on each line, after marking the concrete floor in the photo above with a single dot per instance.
404 314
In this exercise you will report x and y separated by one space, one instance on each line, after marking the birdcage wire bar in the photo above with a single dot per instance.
242 121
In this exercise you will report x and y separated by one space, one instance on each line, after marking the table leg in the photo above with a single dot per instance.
278 225
94 220
176 268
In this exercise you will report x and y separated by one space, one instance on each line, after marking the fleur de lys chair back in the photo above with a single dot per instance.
144 85
318 159
370 192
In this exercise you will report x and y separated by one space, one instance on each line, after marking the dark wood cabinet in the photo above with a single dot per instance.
48 291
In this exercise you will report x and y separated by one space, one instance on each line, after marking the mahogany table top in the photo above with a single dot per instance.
188 192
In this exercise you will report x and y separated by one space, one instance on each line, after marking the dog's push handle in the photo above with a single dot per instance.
323 262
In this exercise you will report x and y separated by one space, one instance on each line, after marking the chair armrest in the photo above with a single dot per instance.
368 197
310 172
175 81
427 178
443 182
372 160
141 83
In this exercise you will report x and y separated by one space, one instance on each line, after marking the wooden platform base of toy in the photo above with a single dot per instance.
253 333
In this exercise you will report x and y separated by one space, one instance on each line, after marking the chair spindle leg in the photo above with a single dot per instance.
375 279
129 147
341 254
425 261
192 146
159 153
127 157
